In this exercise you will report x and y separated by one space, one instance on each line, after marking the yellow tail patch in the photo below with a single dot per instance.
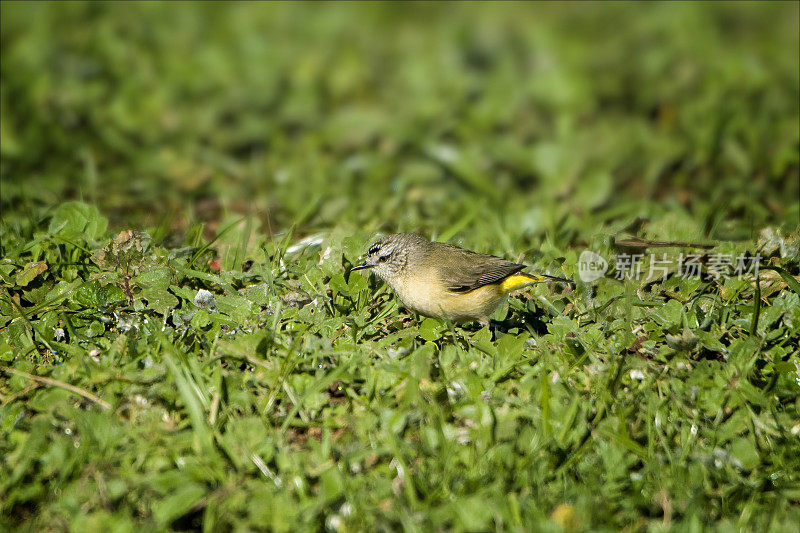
514 282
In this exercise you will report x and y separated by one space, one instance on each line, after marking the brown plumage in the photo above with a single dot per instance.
441 280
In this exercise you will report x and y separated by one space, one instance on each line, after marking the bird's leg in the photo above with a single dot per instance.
457 338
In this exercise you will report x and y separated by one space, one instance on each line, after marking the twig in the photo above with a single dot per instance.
56 383
637 242
24 392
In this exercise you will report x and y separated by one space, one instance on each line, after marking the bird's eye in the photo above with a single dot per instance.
383 258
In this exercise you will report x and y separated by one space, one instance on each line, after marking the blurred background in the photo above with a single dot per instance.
542 121
536 131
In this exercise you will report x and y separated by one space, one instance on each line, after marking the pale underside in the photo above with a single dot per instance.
427 297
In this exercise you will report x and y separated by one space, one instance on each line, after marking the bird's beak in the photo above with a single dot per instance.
362 266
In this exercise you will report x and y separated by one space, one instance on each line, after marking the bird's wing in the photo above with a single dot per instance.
474 270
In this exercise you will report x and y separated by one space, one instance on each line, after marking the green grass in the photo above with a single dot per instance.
254 150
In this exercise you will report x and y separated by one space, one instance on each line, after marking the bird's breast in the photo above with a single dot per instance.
421 294
426 295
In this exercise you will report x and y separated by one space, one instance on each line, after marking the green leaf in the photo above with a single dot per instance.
178 503
155 278
30 272
431 329
338 285
473 513
743 451
76 220
332 483
235 306
95 329
242 438
95 295
787 277
511 346
19 335
159 300
482 340
155 283
672 312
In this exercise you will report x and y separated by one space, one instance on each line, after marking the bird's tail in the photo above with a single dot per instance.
545 277
521 280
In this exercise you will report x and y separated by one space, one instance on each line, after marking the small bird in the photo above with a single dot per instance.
441 280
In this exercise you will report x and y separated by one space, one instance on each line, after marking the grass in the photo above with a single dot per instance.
151 151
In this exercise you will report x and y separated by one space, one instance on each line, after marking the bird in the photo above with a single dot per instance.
440 280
